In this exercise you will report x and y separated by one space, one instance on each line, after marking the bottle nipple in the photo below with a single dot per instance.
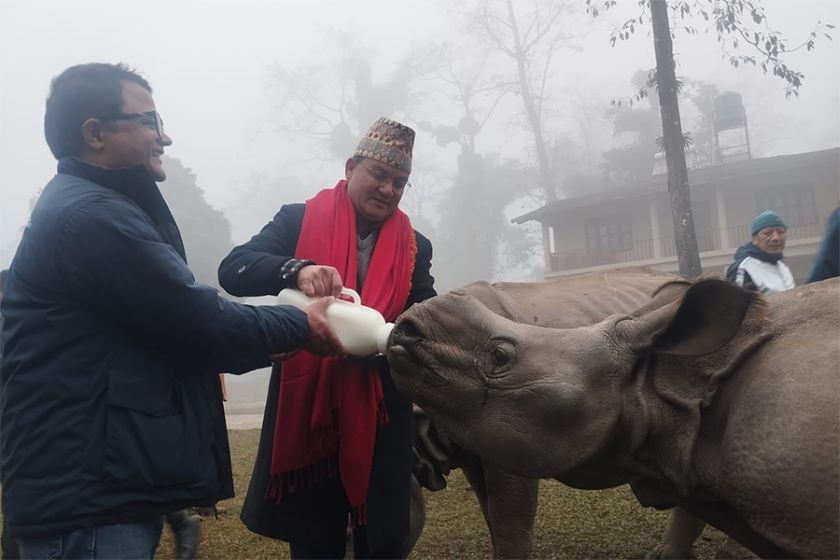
382 337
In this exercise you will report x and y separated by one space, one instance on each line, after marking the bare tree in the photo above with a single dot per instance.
474 89
484 184
329 105
530 41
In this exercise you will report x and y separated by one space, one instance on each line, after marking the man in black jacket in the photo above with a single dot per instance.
310 477
8 548
110 411
827 260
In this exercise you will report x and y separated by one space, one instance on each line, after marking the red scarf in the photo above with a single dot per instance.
329 408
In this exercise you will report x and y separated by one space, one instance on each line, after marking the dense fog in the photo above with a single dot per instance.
265 101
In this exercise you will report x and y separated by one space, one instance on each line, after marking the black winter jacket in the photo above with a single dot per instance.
827 260
319 514
110 408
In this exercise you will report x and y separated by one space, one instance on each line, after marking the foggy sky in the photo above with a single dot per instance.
209 61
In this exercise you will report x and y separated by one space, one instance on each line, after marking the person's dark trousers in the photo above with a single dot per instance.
326 549
334 548
362 549
128 541
10 551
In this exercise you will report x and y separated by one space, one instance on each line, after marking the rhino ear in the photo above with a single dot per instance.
706 317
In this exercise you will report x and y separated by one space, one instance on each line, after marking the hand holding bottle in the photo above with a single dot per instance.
318 280
361 330
322 339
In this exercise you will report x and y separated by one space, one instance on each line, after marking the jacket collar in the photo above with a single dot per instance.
750 250
126 181
136 184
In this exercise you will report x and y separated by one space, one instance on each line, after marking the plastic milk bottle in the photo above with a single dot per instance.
362 330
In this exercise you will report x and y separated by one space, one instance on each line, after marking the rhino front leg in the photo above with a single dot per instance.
509 505
683 529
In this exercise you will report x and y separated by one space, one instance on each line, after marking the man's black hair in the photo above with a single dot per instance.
82 92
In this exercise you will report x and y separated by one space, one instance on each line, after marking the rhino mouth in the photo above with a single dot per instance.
406 355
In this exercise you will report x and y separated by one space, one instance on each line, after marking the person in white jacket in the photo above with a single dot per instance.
759 265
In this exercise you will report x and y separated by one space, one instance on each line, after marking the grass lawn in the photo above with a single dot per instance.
570 523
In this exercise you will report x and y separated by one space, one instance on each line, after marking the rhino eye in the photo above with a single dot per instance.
502 354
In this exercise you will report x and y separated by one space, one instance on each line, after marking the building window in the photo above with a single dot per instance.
612 233
794 203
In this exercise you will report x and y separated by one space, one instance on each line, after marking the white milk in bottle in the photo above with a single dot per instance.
362 330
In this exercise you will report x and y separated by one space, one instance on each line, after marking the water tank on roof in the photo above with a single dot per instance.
732 134
729 111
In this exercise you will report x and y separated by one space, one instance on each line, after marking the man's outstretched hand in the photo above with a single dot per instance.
322 339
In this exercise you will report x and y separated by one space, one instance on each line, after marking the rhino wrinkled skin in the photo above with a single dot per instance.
708 397
509 502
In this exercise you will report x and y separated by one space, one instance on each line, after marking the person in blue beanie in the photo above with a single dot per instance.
758 264
827 260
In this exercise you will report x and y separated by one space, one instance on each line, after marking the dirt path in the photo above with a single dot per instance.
244 416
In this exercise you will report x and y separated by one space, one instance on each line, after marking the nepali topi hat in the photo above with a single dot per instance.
389 142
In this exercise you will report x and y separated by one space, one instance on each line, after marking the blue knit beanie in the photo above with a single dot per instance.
766 219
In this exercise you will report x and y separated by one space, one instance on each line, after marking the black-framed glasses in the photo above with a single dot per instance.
383 178
149 119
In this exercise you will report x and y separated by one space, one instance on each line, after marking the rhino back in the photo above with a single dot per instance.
571 302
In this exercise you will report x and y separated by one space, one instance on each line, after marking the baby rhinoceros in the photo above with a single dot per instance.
709 397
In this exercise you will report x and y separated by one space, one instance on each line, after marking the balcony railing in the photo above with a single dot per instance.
740 234
707 240
583 258
645 249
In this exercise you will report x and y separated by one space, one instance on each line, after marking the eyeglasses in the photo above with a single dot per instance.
149 119
383 178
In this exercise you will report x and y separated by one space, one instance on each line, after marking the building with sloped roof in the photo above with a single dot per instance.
632 225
